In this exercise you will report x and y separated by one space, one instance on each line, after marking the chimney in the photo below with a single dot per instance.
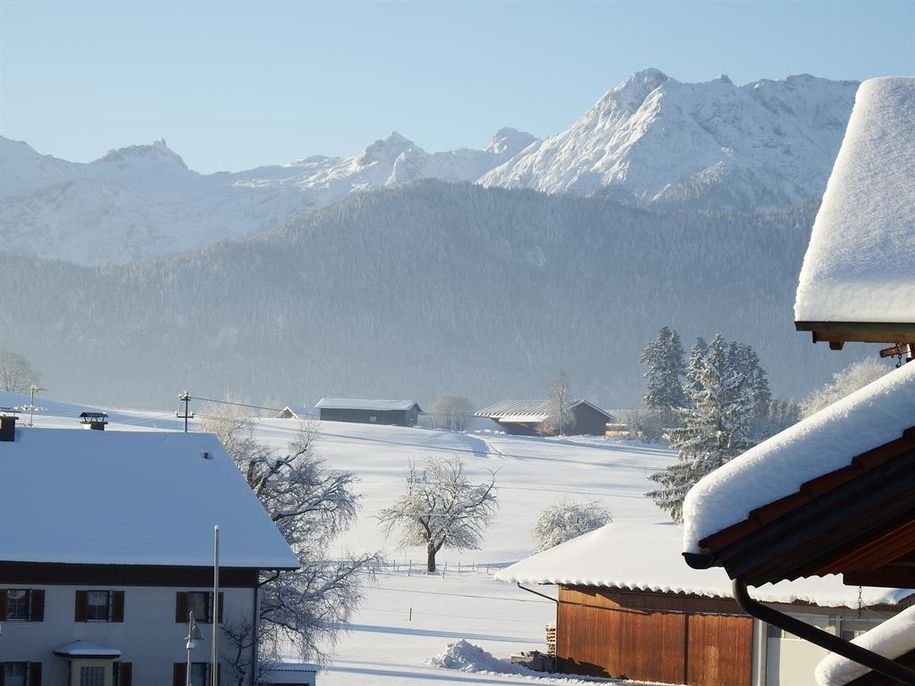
94 420
7 425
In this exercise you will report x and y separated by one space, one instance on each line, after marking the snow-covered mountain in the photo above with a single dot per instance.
143 200
652 140
715 144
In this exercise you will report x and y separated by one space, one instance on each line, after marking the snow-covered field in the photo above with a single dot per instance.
409 617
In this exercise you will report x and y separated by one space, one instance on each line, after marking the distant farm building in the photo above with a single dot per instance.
531 417
367 411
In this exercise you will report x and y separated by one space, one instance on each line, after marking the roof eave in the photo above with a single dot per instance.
838 332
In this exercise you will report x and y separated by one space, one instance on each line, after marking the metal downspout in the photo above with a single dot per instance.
832 643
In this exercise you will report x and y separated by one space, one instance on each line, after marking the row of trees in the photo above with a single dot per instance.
717 403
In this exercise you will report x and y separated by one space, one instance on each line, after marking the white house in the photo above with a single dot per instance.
106 545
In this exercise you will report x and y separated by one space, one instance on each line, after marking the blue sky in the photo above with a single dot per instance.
231 85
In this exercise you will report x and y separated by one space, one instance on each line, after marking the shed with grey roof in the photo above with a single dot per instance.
531 417
369 411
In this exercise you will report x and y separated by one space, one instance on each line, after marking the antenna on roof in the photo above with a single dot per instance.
186 399
33 389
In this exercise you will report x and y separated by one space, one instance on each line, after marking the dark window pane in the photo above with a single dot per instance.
199 602
199 674
16 673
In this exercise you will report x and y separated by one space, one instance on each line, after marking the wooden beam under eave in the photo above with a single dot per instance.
888 577
836 333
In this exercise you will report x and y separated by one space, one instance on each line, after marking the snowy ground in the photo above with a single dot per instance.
408 616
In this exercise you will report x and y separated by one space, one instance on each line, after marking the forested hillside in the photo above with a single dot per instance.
418 291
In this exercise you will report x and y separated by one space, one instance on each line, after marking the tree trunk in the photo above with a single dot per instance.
430 559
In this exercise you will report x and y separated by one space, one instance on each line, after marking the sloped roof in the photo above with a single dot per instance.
827 441
365 404
80 648
527 410
858 267
130 498
893 638
639 558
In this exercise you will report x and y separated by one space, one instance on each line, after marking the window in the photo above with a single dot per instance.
200 674
17 604
22 604
91 676
201 602
122 673
100 606
98 609
16 673
20 673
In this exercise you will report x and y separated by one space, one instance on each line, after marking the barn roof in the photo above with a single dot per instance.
822 443
130 498
366 404
528 410
647 558
856 281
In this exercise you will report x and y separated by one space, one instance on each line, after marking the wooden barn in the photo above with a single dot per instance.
368 411
530 417
628 607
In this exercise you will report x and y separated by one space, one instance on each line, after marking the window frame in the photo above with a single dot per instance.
26 603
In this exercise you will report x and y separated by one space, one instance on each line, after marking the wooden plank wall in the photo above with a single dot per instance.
598 635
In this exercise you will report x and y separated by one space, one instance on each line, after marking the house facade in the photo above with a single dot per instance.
107 547
369 411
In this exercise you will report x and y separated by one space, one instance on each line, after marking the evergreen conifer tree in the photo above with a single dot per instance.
717 427
663 358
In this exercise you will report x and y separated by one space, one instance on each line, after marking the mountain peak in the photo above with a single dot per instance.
388 149
509 141
157 150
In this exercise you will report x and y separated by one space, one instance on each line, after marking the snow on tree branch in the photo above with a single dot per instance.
441 508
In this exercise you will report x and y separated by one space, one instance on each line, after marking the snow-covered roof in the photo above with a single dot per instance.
640 558
288 673
817 445
858 267
133 498
80 648
526 410
364 404
892 639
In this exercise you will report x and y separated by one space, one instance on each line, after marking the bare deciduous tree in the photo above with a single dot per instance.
16 374
310 505
451 412
441 508
567 520
855 376
561 418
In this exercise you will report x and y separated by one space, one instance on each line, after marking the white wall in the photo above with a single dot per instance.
149 637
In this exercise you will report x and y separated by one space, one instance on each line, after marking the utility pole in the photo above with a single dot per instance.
186 399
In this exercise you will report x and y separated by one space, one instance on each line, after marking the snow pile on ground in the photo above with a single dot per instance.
858 265
467 657
822 443
893 638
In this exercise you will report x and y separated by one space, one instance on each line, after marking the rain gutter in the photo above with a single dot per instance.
830 642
